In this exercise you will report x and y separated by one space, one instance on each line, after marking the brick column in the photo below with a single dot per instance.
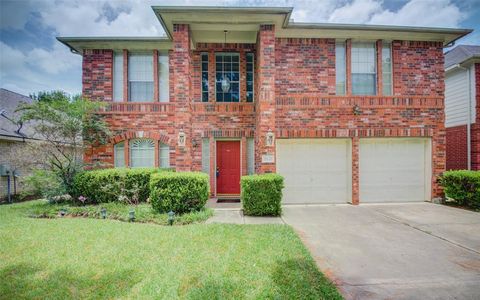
265 102
155 76
475 129
355 171
182 61
379 47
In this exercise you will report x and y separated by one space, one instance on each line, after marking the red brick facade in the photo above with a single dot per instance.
294 97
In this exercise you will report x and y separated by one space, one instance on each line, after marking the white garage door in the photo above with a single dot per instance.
394 169
315 170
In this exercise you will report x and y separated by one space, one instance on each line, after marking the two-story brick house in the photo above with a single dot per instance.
346 113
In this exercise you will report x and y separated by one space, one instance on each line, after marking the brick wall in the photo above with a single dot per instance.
457 148
418 68
97 78
305 66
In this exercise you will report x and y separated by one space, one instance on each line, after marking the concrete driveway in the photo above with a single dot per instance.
394 251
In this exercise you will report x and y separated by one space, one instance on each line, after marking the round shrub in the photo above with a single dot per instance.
261 195
108 185
179 192
463 186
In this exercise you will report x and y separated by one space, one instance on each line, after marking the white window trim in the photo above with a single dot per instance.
375 73
391 68
239 77
253 76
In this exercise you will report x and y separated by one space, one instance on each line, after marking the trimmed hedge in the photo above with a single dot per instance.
91 184
262 194
463 186
180 192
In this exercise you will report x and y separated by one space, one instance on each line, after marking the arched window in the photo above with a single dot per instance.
142 153
119 155
164 156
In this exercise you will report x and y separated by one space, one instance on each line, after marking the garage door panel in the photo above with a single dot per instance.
394 169
315 170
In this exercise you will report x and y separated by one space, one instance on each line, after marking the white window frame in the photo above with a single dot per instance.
141 145
118 76
130 75
339 44
119 155
163 77
223 71
163 155
202 71
252 54
374 72
389 44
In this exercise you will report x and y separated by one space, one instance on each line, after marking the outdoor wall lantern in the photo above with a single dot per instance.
356 110
171 217
103 212
181 139
270 139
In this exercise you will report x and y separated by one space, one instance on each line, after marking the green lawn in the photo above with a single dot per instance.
90 258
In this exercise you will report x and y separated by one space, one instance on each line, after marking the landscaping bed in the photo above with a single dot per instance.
116 211
85 258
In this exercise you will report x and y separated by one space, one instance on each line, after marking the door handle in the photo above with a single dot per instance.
217 172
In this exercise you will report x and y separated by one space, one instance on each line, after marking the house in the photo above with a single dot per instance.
462 107
15 161
346 113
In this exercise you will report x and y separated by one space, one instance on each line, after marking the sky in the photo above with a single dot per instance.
32 60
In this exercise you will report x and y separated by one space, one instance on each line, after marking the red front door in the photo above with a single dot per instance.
228 167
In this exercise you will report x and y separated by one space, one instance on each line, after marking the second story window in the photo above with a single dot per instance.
140 77
204 57
118 76
340 68
363 69
227 73
163 78
250 76
387 69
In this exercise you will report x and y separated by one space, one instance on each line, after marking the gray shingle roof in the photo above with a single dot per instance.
9 101
460 54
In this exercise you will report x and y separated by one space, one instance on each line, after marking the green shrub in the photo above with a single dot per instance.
43 183
113 185
463 186
180 192
262 194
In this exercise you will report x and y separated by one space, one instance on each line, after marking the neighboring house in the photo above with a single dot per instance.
346 113
462 107
14 153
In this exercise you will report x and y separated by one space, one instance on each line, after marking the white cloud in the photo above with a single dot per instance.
39 70
422 13
359 11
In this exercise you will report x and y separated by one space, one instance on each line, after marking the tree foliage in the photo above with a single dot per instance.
65 125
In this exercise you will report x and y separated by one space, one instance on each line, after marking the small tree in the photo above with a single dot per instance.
65 125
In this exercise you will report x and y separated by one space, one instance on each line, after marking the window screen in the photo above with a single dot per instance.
142 153
387 68
163 78
250 156
340 68
363 69
164 156
140 77
250 76
204 77
206 155
227 67
118 76
119 155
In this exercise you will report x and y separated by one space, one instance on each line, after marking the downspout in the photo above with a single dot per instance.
469 118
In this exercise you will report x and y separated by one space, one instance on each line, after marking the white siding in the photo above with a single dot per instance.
457 97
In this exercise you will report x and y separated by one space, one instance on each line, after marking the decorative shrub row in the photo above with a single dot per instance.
112 185
180 192
261 195
463 186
